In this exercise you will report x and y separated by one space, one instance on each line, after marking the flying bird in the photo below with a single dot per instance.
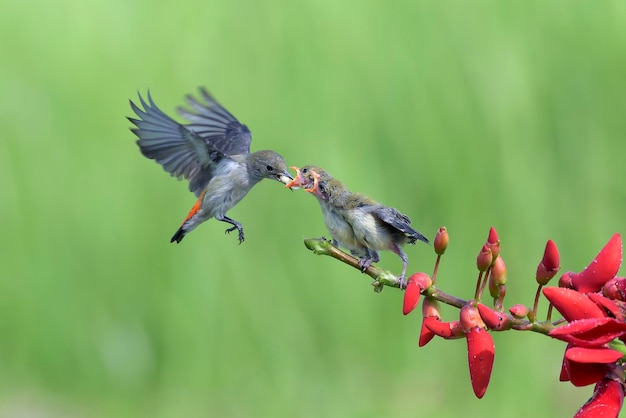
357 222
212 152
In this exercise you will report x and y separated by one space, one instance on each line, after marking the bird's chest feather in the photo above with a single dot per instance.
339 228
230 183
370 231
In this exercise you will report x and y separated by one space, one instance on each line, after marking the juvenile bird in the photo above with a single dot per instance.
357 222
212 152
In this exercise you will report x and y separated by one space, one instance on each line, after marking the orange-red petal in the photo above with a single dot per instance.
607 400
602 268
572 304
480 357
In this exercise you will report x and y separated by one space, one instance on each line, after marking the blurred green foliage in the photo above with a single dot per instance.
463 114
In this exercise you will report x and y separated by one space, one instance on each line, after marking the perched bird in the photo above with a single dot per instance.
357 222
212 152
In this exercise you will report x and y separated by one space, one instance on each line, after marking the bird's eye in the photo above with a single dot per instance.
269 168
305 170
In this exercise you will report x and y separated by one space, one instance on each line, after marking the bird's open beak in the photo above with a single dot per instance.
316 180
294 183
284 178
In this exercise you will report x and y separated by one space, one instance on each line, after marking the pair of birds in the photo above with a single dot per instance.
212 152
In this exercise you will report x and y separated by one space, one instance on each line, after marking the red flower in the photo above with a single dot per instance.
447 330
606 401
484 258
572 304
493 242
601 269
609 306
549 265
497 279
415 286
497 321
480 357
441 241
519 311
430 309
480 349
590 332
584 366
615 288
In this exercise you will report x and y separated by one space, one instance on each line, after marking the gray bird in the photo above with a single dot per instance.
357 222
212 152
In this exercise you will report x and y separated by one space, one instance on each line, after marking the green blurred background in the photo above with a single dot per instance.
463 114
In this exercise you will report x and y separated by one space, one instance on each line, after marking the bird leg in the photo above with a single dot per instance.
236 225
405 263
370 257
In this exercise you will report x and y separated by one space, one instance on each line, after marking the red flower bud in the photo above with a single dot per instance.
484 259
416 284
602 268
606 401
480 348
480 357
519 311
441 241
448 330
566 280
551 259
497 278
493 242
430 308
498 271
411 297
549 265
572 304
497 321
470 318
615 289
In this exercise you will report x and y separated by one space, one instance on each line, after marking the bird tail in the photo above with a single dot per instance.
179 235
415 236
185 226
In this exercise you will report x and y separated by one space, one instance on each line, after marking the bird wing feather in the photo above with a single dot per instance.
216 125
182 152
397 220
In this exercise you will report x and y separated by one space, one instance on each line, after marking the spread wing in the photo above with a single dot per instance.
399 221
216 125
182 152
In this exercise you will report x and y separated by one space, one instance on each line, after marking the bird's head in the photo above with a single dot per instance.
311 178
268 165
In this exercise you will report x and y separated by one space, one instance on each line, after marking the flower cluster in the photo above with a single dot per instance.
592 304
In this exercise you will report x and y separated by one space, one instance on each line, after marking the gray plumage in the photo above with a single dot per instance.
212 152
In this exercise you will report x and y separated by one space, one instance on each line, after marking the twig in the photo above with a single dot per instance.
382 278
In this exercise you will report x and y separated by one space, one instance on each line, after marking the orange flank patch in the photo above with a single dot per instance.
195 207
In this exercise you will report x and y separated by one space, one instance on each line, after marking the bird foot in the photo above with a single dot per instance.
402 282
239 229
364 263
